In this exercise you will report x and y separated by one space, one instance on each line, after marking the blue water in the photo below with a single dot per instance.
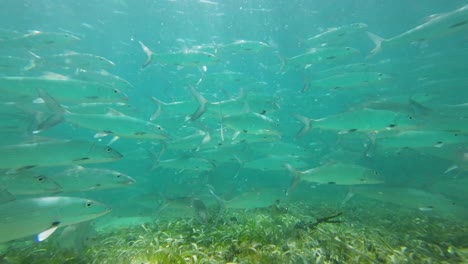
113 29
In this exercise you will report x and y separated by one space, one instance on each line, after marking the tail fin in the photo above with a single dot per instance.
159 104
202 103
348 197
307 125
57 112
296 177
377 42
149 54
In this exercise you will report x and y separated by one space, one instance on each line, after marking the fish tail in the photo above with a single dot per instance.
202 103
348 197
377 42
296 177
159 108
149 54
218 199
306 125
57 115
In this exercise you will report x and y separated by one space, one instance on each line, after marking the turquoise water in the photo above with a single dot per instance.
260 133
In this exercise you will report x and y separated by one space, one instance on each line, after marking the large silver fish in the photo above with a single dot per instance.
337 35
74 60
438 26
42 216
242 46
39 40
193 58
335 173
88 179
112 123
319 56
54 153
364 120
347 80
28 183
60 87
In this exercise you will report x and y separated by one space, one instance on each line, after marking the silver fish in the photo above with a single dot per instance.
337 35
40 40
27 183
60 87
54 153
439 25
88 179
42 216
335 173
364 120
182 58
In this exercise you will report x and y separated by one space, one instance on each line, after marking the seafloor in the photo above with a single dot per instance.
302 234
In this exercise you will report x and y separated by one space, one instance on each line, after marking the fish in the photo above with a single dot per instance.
348 80
243 46
60 87
56 152
186 163
40 40
337 35
335 173
103 76
363 120
320 56
111 123
412 198
42 216
248 122
418 139
74 60
181 58
272 162
438 26
261 198
29 183
81 179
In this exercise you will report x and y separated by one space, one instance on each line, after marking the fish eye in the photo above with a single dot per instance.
88 204
108 149
115 91
380 74
119 175
41 178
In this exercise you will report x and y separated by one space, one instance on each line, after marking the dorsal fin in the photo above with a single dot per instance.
113 112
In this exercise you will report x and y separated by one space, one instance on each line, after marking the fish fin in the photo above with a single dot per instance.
307 125
6 196
149 54
202 103
159 108
102 134
418 109
296 177
113 112
114 139
45 234
20 169
348 197
377 42
57 115
77 167
451 168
